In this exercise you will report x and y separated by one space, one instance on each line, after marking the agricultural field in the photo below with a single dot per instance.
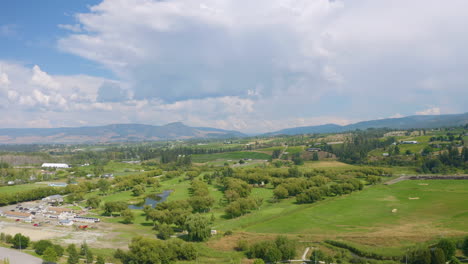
235 156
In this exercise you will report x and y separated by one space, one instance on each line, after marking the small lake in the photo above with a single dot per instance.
152 200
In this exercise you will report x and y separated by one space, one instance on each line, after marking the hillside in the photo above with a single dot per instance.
417 121
110 133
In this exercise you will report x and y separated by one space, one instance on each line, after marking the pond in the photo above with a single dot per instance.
152 200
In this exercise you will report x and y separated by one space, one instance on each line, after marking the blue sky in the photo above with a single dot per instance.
252 66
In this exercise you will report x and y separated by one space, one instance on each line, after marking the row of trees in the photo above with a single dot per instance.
149 250
314 189
280 249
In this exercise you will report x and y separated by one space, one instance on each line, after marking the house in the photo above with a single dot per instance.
66 222
409 142
55 165
58 184
385 154
86 219
18 215
107 175
53 199
59 210
314 149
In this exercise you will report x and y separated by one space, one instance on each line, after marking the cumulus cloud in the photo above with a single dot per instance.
252 65
430 111
43 79
4 80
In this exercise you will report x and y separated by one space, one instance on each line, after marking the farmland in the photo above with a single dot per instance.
259 189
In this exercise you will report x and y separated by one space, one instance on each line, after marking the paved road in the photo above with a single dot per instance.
17 257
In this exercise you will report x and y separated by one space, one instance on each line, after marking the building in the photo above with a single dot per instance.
409 142
59 210
53 199
86 219
66 222
55 165
18 215
58 184
314 149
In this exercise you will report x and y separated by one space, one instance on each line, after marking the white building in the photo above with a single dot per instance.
409 142
55 165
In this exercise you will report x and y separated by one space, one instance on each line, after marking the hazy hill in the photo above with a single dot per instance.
110 133
417 121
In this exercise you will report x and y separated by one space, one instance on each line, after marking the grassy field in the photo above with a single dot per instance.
200 158
21 187
436 208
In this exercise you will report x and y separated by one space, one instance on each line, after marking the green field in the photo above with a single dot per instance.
441 207
21 187
200 158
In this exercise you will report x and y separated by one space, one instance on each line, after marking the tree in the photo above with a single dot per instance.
317 255
93 202
110 207
100 260
286 247
165 231
41 245
198 228
315 156
454 260
280 192
20 241
103 185
421 256
448 247
73 256
438 256
138 190
259 261
127 216
465 245
50 255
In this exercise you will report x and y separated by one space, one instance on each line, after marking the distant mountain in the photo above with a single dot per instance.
110 133
417 121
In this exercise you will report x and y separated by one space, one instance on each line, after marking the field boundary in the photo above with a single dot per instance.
427 177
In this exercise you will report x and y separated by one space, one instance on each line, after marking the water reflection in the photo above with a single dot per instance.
152 200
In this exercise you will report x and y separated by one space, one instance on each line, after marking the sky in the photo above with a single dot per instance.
251 66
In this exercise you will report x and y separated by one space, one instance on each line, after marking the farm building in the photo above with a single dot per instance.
409 142
66 222
18 215
86 219
53 199
55 165
58 184
314 149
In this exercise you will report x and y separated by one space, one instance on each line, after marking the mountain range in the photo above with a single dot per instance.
110 133
416 121
176 131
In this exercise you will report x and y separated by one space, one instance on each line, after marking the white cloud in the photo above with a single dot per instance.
74 28
251 65
4 80
430 111
41 78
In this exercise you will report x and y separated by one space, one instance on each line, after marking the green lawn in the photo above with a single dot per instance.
441 205
21 187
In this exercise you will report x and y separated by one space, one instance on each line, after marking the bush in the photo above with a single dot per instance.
41 245
165 231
